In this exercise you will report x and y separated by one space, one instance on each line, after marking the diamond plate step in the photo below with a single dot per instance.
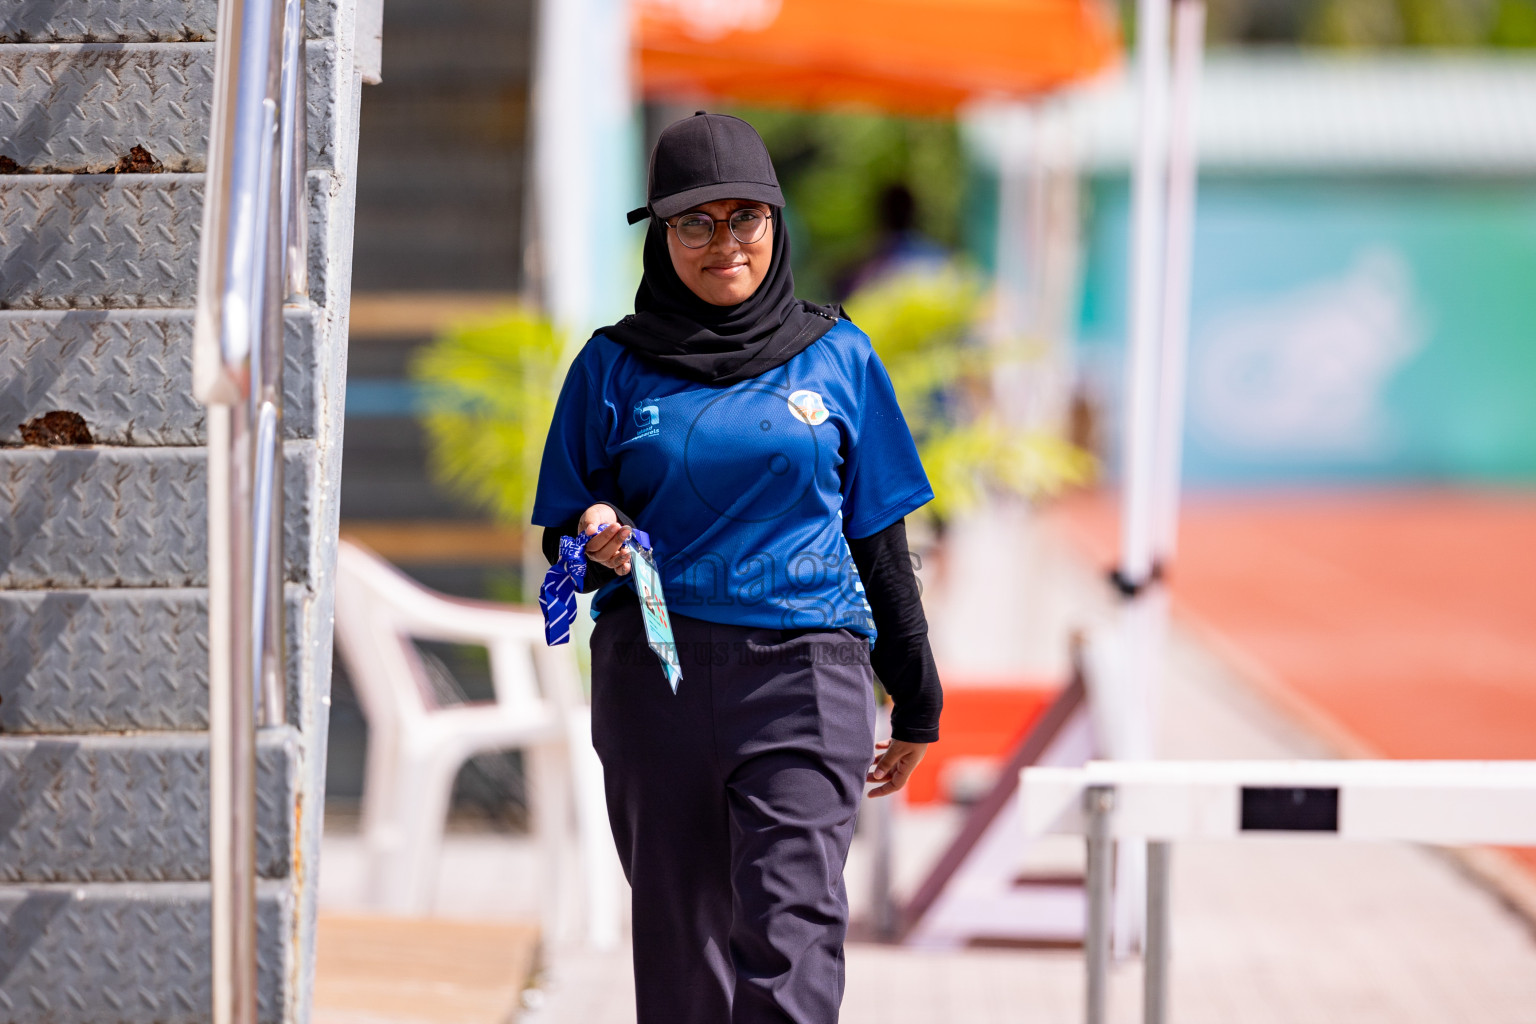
116 241
84 661
126 953
80 108
125 517
129 373
124 21
131 808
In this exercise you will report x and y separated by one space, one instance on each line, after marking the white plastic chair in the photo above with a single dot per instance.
416 745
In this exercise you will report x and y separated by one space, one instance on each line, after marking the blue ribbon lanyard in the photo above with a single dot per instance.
557 597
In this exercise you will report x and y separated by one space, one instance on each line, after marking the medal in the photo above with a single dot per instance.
557 598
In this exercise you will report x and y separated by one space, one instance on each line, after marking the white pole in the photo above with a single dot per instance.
1059 253
583 166
1012 251
1017 254
1143 611
1148 198
584 180
562 164
1188 52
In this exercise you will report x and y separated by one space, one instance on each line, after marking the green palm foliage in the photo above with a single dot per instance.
488 394
925 325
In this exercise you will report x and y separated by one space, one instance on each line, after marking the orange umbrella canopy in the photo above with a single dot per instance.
912 56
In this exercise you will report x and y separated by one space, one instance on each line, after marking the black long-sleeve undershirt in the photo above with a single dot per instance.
902 658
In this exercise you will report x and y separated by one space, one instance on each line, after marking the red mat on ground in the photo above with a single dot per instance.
1403 623
978 722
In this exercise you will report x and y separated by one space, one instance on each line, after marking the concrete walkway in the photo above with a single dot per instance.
1266 932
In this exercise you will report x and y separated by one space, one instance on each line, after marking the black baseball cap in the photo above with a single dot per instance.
707 157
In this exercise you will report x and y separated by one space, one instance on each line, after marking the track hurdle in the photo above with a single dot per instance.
1448 803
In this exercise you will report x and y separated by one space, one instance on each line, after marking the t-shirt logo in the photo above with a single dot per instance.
807 407
647 418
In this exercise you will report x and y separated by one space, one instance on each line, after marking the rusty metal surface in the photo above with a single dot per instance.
125 517
85 661
129 374
103 660
130 808
96 241
126 953
116 241
82 108
122 21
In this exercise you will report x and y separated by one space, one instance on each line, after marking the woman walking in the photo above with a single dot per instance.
756 438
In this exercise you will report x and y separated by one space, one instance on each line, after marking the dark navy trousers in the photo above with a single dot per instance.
732 804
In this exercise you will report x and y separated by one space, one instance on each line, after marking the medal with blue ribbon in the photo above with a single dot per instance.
557 597
557 594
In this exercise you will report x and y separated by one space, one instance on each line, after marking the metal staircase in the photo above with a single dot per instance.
104 644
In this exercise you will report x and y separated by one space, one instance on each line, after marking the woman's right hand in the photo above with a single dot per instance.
606 548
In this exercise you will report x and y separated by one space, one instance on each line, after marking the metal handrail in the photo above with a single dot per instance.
295 155
253 256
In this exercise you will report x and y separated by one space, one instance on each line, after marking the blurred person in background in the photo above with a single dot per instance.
757 439
900 246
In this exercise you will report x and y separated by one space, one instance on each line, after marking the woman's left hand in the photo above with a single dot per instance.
895 766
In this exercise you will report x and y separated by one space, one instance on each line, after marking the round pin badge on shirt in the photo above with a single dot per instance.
807 407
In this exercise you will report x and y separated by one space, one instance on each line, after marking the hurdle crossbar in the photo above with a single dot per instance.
1450 803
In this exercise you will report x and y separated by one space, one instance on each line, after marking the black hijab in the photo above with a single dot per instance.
675 329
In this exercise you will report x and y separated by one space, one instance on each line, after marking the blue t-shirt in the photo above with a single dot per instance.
747 490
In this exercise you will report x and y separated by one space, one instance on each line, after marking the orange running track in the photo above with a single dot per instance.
1401 623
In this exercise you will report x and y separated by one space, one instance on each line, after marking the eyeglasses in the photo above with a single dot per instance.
696 229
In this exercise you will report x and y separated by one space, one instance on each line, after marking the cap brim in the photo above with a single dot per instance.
671 206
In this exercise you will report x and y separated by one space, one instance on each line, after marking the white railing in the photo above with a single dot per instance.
253 256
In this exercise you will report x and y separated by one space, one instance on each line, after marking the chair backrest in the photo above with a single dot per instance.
379 610
383 665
